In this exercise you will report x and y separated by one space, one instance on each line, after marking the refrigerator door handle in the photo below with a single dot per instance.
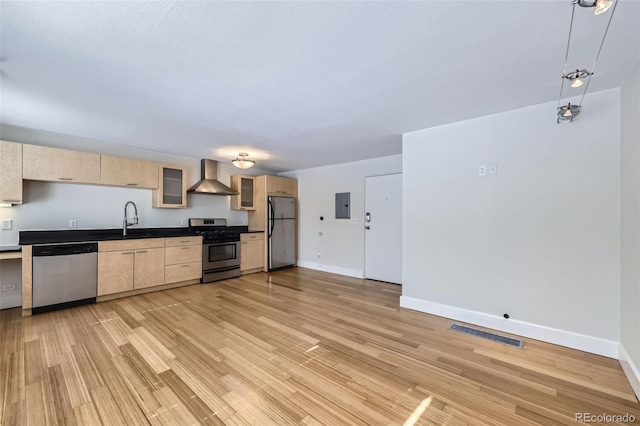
271 219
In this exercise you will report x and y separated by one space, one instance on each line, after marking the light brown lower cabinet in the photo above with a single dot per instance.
182 259
130 265
182 272
251 251
148 270
115 272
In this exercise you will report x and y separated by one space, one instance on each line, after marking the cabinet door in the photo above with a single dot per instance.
115 272
172 187
120 171
252 254
246 199
10 172
59 165
277 185
148 268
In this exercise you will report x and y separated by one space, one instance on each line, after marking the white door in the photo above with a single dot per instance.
383 228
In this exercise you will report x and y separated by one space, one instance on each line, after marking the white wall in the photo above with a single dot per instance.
341 245
50 205
540 240
630 222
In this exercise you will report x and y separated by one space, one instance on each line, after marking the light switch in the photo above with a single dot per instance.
6 224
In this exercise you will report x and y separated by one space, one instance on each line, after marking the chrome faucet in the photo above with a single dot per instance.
126 222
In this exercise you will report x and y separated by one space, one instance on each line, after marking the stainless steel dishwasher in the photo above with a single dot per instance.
64 275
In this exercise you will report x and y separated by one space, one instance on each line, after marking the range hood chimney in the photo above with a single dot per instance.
209 183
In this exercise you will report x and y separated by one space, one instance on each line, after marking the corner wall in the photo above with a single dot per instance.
540 240
341 245
630 226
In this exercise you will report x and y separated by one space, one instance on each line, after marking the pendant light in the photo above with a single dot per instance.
569 111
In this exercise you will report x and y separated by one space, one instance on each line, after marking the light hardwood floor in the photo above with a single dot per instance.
291 347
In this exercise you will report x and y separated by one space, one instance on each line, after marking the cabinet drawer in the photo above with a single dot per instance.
183 241
183 254
183 272
252 236
145 243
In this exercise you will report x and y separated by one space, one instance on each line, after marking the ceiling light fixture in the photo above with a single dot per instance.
568 112
601 5
242 162
575 77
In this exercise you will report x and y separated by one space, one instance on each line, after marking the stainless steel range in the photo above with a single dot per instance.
220 248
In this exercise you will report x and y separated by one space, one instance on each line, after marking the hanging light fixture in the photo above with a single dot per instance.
601 5
242 162
568 112
576 77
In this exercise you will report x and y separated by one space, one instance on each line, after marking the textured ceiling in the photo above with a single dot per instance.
296 84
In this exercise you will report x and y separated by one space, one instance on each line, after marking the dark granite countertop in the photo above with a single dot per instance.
81 235
87 235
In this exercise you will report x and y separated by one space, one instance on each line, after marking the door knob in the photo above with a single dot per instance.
367 227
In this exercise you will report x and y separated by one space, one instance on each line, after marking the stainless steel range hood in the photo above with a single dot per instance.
209 183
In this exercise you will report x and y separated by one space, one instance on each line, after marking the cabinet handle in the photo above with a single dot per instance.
65 178
132 184
141 251
185 266
127 252
244 242
185 248
185 242
11 201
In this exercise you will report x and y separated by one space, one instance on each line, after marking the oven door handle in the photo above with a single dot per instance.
271 219
225 269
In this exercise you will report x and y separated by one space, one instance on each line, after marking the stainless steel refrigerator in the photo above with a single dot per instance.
282 232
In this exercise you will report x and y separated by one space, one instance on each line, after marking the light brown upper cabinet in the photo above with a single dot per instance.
121 171
59 165
172 187
10 172
282 186
246 187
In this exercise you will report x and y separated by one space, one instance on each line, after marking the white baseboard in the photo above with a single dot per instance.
569 339
332 269
630 370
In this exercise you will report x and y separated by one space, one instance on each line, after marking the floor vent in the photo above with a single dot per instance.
509 341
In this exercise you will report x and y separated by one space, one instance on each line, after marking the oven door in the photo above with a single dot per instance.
220 255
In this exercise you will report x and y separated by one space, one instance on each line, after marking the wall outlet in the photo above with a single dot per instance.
319 255
6 224
482 170
73 223
183 222
493 169
10 287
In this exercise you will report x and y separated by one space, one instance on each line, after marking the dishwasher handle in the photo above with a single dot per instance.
65 249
